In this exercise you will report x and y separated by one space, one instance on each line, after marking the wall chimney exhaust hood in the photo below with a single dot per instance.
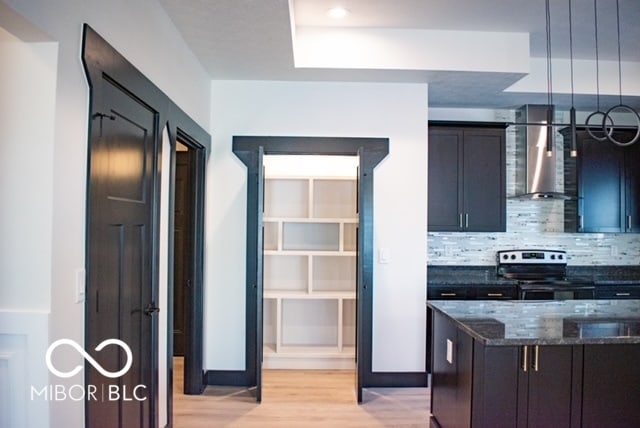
535 169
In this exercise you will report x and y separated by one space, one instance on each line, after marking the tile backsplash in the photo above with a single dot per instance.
536 224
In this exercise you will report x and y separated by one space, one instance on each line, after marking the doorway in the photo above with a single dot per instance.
251 151
183 244
310 261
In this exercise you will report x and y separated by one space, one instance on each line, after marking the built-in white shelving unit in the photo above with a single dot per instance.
310 227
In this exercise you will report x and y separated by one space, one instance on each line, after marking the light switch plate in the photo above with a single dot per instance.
80 285
384 255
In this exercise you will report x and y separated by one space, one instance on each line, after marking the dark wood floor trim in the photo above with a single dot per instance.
374 380
397 380
228 377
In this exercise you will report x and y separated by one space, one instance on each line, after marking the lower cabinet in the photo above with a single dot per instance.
558 386
610 386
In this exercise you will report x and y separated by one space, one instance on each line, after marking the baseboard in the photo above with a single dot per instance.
396 380
373 380
228 378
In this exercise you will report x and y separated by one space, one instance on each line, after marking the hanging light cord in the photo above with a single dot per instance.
571 50
549 70
619 55
595 14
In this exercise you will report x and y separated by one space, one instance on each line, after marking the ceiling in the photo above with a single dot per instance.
252 40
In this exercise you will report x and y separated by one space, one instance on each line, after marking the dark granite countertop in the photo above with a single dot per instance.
559 322
486 275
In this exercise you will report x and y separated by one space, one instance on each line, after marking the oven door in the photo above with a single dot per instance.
557 293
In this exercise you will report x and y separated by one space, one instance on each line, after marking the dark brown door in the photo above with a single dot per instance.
120 246
183 215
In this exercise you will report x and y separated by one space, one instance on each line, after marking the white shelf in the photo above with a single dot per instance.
283 294
310 227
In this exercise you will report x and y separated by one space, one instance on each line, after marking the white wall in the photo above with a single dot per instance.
143 33
394 111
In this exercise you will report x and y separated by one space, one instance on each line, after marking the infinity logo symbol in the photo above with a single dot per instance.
88 357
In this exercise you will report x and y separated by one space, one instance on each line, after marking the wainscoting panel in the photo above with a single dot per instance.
23 345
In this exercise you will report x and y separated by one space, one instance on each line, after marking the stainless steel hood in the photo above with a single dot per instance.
535 169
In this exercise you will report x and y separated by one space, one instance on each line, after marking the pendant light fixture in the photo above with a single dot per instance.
550 133
621 106
572 110
590 129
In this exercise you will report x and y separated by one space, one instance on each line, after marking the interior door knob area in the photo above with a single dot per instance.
151 309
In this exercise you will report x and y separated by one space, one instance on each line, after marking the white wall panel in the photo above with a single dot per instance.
394 111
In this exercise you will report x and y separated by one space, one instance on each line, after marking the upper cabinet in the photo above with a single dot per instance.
605 181
467 169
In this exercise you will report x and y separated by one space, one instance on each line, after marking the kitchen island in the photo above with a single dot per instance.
569 363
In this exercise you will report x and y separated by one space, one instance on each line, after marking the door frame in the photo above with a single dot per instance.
194 301
371 151
100 59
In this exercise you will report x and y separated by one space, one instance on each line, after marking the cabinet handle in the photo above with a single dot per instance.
580 222
466 221
623 294
525 358
628 222
448 294
494 294
460 221
536 355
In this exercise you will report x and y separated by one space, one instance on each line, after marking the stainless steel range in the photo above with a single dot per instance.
542 275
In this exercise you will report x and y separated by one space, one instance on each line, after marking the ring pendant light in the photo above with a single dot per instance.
621 106
607 130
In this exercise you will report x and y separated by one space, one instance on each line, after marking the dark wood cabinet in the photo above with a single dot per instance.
466 178
610 392
561 386
545 386
451 374
605 182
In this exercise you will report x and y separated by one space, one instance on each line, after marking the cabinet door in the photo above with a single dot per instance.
632 197
445 197
495 385
610 392
484 207
601 188
545 387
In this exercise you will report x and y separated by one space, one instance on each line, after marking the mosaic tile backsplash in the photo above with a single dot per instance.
536 224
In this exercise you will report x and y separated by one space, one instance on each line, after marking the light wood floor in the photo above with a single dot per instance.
297 398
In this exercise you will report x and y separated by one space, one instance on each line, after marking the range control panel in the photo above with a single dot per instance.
532 257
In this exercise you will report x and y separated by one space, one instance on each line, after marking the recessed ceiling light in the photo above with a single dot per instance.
338 12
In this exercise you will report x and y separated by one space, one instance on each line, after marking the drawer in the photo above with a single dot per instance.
496 293
609 292
448 293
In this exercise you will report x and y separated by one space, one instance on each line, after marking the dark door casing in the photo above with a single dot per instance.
371 151
126 114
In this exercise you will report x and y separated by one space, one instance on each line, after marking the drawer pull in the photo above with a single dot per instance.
494 294
448 294
525 358
623 294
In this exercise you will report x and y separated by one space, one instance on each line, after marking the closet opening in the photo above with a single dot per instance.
310 264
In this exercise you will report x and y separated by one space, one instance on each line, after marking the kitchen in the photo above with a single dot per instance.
307 101
538 256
